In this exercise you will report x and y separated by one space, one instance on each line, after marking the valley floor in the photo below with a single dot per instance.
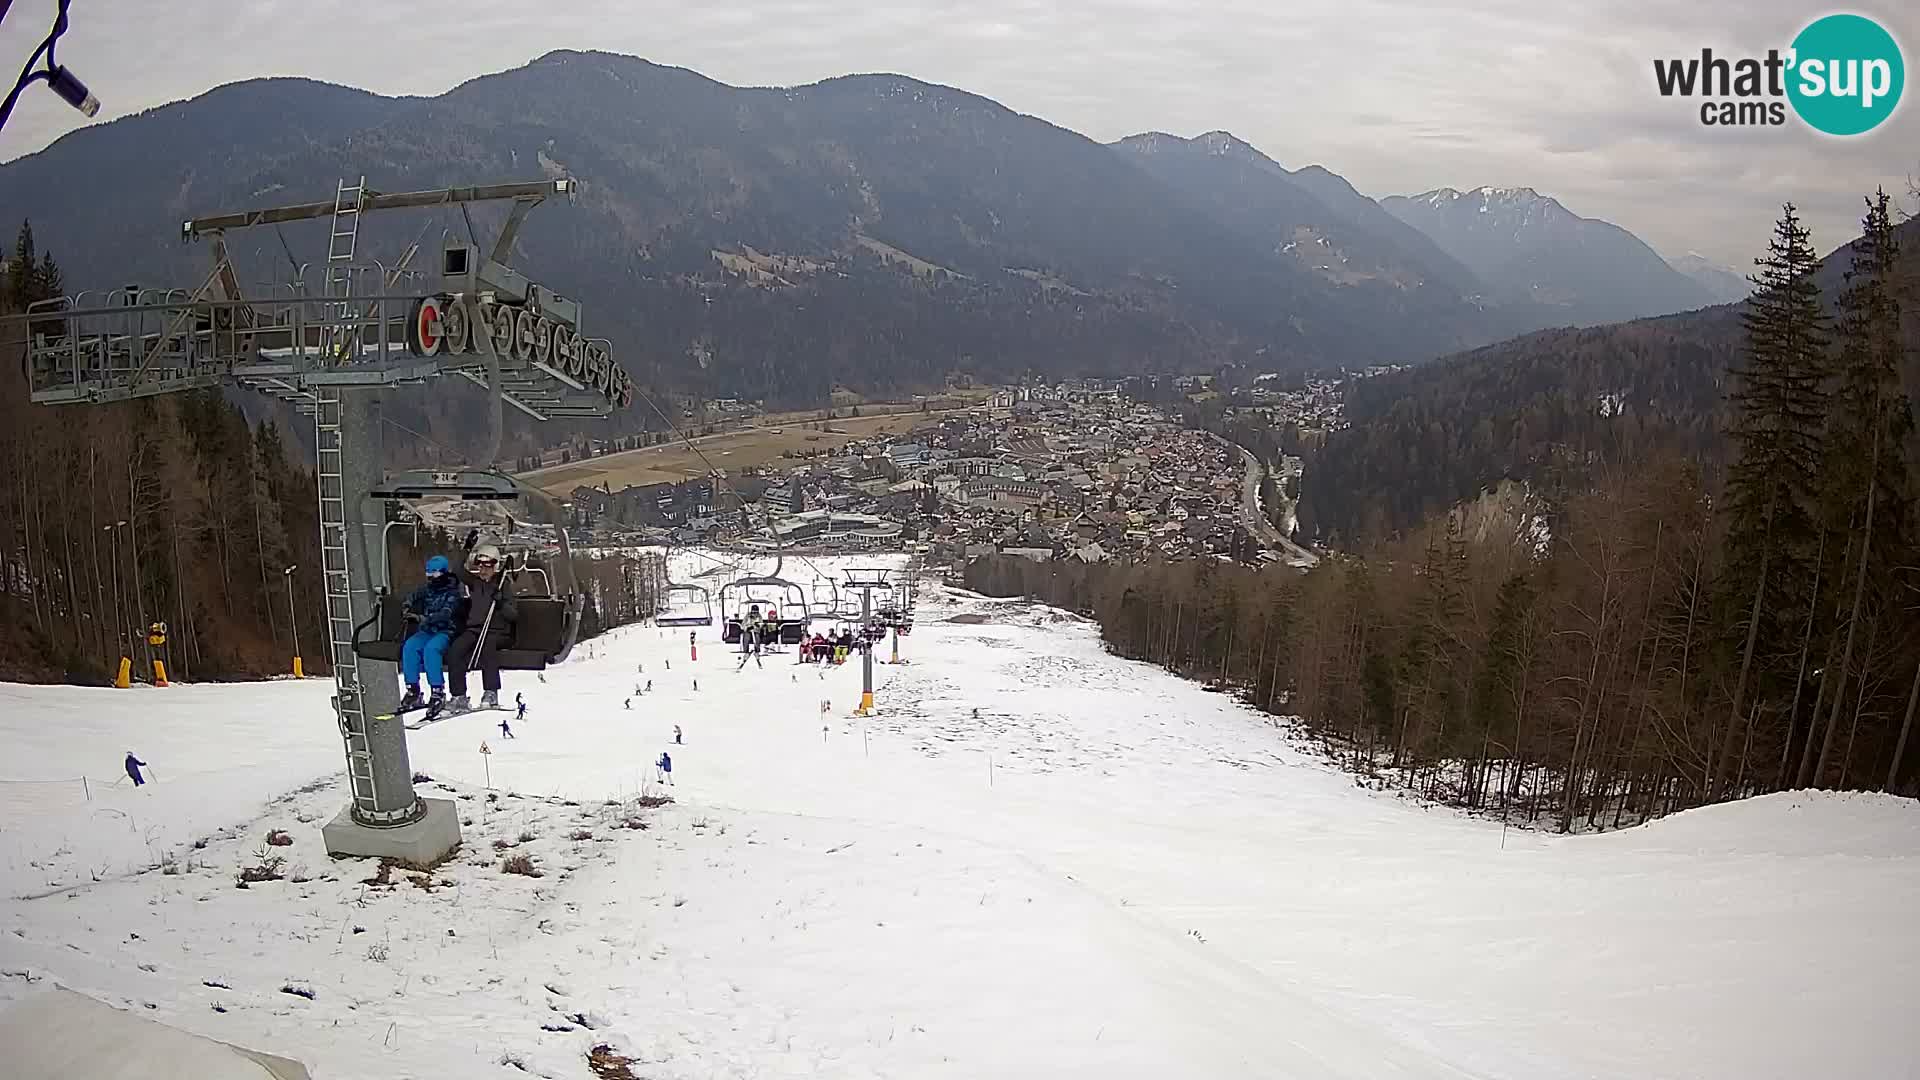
1036 860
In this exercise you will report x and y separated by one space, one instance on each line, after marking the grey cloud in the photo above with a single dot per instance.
1397 96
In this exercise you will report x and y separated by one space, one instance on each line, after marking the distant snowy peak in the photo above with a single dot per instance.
1485 193
1523 202
1226 142
1529 247
1215 143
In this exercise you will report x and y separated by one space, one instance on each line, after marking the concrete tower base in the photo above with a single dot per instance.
421 843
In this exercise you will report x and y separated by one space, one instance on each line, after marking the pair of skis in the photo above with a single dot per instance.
436 714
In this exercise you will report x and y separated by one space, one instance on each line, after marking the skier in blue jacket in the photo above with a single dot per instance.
436 605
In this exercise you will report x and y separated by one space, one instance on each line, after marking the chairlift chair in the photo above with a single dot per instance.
548 624
787 597
826 600
685 605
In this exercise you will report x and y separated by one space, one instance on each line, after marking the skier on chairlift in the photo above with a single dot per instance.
435 607
490 615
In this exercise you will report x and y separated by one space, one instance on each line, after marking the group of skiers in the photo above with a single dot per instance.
756 632
833 649
468 613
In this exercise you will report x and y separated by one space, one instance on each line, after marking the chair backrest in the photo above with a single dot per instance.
393 617
542 625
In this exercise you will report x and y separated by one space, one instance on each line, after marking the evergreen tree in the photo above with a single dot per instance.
1779 410
48 281
1501 679
1868 423
1430 653
20 268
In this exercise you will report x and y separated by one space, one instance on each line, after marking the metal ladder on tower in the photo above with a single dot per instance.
338 333
347 702
336 341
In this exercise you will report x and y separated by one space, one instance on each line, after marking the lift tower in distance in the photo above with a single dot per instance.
330 350
866 580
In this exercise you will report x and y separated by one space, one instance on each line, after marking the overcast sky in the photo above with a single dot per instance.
1395 95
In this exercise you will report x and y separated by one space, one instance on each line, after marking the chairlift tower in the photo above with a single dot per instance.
866 580
330 353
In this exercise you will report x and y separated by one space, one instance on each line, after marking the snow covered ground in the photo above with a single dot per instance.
1036 860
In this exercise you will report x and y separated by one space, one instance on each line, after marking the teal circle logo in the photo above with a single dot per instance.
1846 75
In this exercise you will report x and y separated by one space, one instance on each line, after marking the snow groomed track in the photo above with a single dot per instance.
1036 860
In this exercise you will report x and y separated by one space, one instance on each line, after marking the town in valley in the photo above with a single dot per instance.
1081 469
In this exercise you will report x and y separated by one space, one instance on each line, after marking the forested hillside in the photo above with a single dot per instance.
1545 407
168 509
1542 408
1716 601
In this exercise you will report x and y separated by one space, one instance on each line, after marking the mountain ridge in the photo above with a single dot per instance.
919 229
1317 216
1525 244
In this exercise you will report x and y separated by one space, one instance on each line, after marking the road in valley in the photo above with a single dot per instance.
1256 522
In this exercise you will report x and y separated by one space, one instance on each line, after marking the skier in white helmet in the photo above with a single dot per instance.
489 606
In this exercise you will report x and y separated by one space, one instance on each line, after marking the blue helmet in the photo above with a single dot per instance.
438 565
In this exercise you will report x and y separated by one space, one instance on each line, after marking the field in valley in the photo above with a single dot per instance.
765 441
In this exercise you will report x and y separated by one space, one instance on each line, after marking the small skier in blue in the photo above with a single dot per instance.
665 765
134 766
434 604
521 701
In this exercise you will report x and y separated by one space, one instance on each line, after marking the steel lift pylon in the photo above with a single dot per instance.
331 355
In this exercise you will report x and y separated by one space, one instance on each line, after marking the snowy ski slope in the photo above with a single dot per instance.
1106 873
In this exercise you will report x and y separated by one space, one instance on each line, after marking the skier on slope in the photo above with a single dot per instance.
664 768
435 605
134 766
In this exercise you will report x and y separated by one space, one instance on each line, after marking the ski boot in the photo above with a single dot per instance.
490 699
435 705
411 700
457 705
